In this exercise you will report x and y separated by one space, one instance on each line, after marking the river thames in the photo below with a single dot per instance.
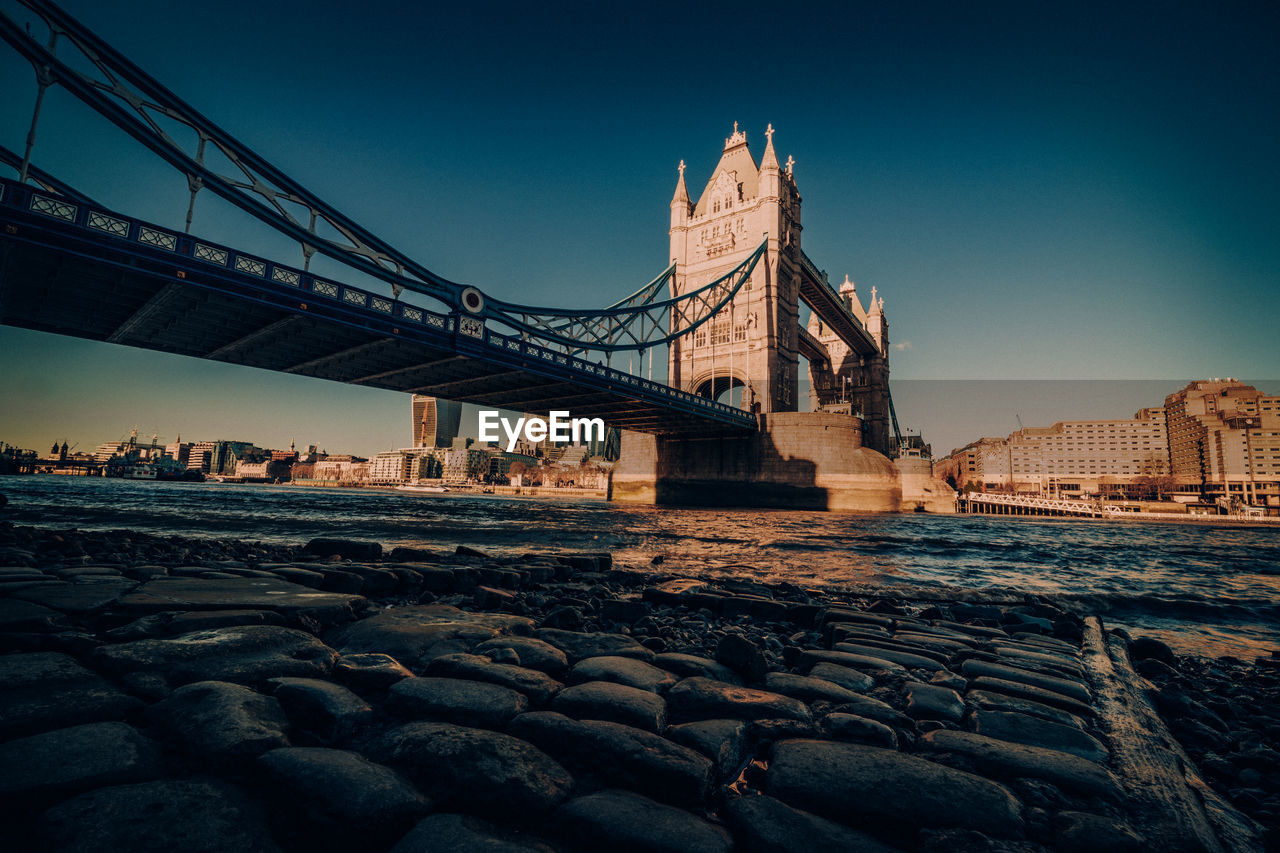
1208 589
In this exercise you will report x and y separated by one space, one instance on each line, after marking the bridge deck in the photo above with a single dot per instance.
78 270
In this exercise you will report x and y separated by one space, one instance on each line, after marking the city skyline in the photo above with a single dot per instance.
1020 218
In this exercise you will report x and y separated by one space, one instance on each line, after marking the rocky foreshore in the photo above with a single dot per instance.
159 693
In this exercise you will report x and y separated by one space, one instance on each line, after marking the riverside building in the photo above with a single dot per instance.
1215 441
1069 457
1224 443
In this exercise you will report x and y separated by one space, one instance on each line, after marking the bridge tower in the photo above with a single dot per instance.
752 344
847 380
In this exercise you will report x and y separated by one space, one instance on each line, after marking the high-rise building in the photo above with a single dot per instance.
1224 439
435 421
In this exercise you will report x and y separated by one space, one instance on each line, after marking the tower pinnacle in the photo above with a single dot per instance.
769 160
682 192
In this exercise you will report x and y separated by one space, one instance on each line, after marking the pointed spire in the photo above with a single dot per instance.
682 192
791 164
770 159
848 286
875 304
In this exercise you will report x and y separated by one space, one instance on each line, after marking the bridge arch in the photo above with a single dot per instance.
724 386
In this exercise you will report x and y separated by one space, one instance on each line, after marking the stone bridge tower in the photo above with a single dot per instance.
851 381
750 349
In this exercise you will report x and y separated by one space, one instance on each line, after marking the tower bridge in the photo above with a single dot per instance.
720 426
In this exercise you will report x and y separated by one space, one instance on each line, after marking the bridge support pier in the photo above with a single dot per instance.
797 460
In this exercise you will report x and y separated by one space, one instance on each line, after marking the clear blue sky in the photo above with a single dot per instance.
1038 191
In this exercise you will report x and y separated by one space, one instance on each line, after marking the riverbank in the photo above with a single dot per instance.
272 696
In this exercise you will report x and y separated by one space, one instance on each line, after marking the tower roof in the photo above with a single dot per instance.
737 163
682 192
850 291
770 159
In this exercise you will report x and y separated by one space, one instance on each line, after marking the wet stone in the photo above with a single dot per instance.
303 577
706 699
369 672
158 817
19 615
577 646
455 833
693 666
812 657
531 652
874 709
1035 656
346 548
884 790
77 598
456 700
933 702
341 791
50 690
178 593
249 655
482 771
989 701
622 820
841 615
1035 694
806 688
1149 648
1004 759
75 759
322 708
1081 832
850 727
620 670
743 657
763 824
849 679
622 756
902 658
171 624
1034 731
1073 689
418 634
723 741
538 686
604 700
217 720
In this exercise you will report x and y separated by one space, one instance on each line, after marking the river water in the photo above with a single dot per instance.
1209 589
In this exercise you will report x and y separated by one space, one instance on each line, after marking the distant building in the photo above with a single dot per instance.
390 468
179 451
1068 457
1214 441
1224 442
435 421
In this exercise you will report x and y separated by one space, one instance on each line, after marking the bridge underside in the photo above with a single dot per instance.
62 283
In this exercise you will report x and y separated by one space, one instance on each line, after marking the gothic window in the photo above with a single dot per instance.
728 202
700 336
715 208
740 332
721 333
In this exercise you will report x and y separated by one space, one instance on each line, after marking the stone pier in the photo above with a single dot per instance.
798 460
